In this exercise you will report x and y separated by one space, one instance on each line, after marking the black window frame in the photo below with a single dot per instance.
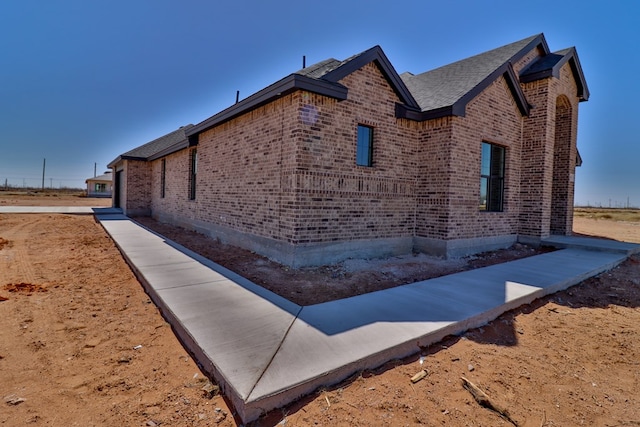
492 170
163 177
193 173
364 145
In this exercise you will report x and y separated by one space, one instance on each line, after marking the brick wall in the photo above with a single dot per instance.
491 117
538 190
283 180
135 196
337 200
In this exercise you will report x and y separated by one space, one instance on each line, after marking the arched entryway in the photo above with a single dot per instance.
563 169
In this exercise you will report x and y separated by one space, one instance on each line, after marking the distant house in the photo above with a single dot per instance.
351 159
99 186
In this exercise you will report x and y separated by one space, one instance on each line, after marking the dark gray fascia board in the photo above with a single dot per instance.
538 41
374 54
572 58
516 90
142 159
405 112
112 164
120 158
282 87
583 89
506 70
169 150
459 107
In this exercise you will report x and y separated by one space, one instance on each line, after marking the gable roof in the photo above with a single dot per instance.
333 70
442 92
157 148
321 78
549 66
447 90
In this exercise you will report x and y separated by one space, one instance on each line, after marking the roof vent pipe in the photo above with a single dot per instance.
237 96
304 61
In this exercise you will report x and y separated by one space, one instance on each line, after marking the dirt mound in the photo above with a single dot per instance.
25 288
4 242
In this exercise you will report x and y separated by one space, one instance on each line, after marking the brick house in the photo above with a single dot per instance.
350 159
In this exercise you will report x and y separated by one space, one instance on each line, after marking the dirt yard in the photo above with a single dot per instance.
81 344
50 198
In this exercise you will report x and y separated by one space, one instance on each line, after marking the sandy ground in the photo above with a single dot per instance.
46 198
81 344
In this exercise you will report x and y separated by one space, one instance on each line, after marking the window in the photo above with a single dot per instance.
163 171
101 188
364 151
492 177
193 170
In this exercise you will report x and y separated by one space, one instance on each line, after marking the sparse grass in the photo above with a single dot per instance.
608 214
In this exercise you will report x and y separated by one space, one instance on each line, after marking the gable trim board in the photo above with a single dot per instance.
277 206
550 67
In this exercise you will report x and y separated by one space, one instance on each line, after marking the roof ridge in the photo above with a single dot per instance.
449 85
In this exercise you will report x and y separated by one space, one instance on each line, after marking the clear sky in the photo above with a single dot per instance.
83 81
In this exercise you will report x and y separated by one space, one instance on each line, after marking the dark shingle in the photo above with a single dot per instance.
157 145
316 71
161 146
444 86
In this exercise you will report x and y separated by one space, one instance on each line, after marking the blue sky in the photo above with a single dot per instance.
84 81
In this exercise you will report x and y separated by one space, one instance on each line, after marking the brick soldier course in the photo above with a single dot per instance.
278 172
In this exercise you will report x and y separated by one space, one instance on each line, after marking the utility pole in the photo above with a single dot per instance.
44 164
95 165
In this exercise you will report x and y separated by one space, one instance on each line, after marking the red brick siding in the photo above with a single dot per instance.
286 171
176 201
239 180
434 180
136 197
565 152
538 144
527 59
491 117
337 200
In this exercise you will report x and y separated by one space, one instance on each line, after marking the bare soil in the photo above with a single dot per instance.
82 344
50 198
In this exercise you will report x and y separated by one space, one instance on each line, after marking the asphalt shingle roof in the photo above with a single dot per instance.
157 145
436 93
444 86
319 69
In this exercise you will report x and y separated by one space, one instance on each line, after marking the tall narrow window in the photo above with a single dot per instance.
193 171
163 172
364 151
492 177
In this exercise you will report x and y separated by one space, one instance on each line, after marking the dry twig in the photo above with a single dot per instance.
483 399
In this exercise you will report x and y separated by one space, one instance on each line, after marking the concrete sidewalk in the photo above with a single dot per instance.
266 351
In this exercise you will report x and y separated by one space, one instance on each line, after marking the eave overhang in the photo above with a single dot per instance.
282 87
376 55
553 70
458 108
169 150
